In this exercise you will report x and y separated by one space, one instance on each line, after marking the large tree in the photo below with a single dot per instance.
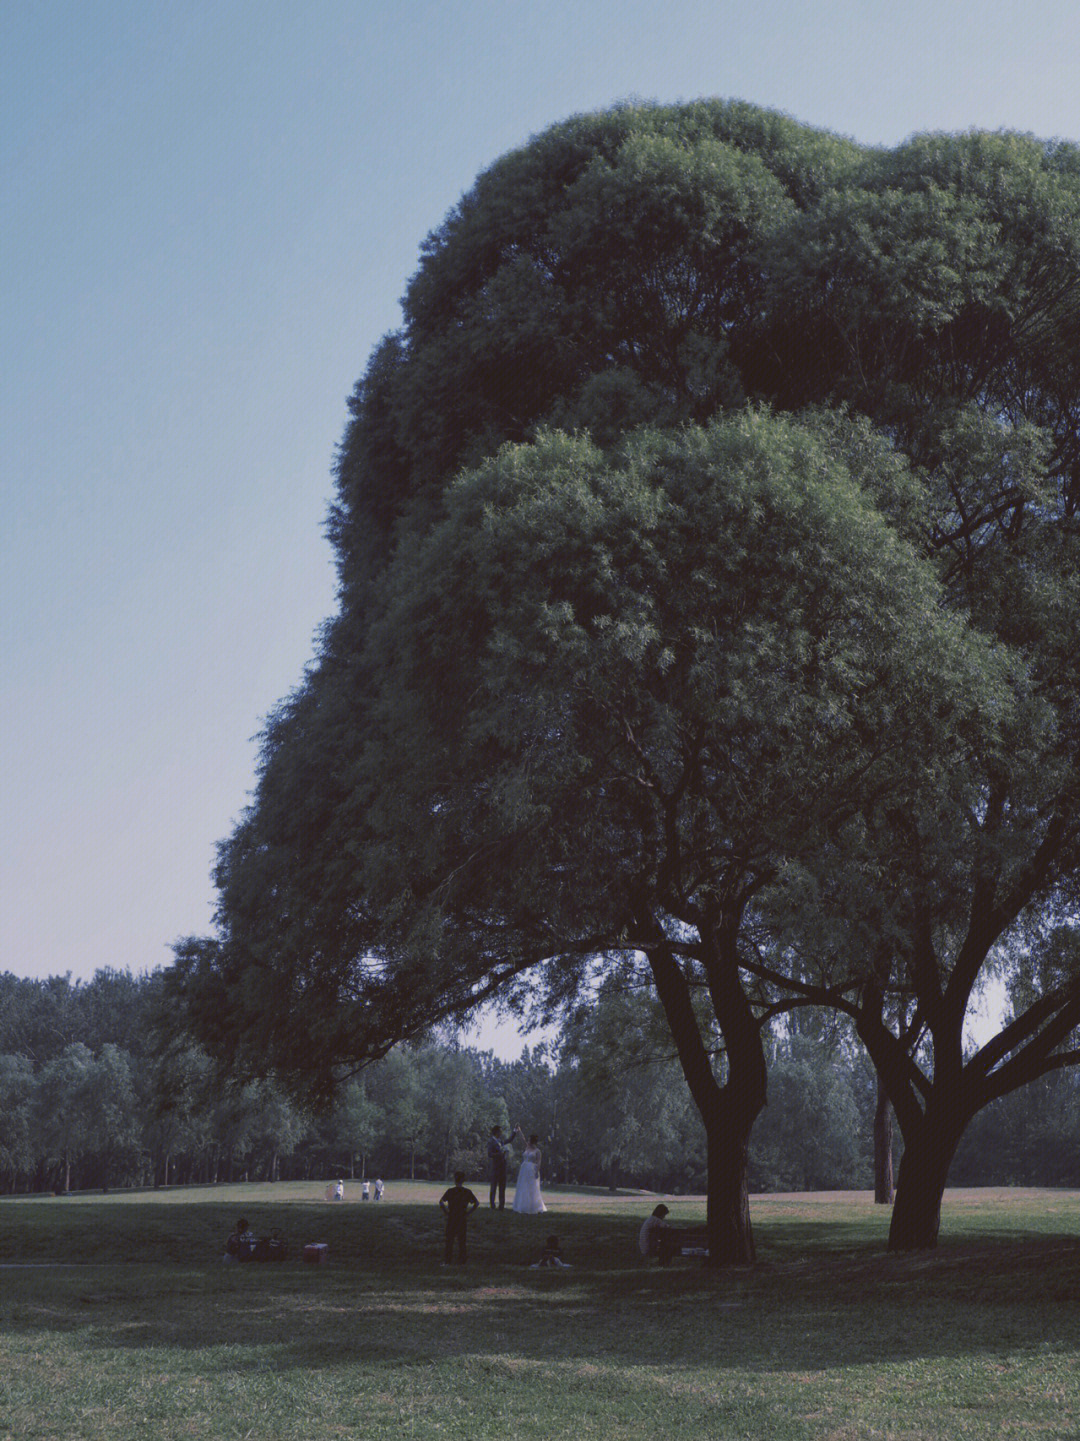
577 699
609 698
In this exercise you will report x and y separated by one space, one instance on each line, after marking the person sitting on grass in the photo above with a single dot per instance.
658 1238
241 1243
551 1255
655 1227
458 1203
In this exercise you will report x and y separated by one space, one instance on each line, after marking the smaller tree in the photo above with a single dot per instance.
395 1086
112 1122
278 1126
807 1136
64 1105
178 1106
17 1112
353 1125
633 1111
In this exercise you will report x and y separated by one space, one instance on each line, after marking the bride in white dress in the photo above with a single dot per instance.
527 1198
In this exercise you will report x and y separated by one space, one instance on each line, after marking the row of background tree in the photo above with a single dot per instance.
97 1090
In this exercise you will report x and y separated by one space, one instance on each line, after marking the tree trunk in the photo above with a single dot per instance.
727 1223
883 1147
924 1167
728 1112
613 1173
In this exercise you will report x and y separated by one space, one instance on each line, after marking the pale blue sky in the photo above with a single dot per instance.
209 214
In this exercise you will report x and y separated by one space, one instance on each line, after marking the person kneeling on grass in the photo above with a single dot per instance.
458 1203
551 1255
241 1243
657 1238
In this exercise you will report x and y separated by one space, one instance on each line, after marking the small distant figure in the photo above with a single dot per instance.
551 1255
458 1204
241 1243
379 1189
365 1193
339 1191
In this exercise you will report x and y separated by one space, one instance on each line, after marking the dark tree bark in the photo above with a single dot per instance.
924 1168
731 1236
883 1147
728 1112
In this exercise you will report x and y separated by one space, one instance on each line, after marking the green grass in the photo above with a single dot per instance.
118 1320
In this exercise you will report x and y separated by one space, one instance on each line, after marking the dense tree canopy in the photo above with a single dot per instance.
708 545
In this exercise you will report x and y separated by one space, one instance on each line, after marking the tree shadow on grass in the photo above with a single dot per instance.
830 1307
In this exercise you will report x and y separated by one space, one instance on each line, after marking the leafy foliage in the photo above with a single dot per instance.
709 549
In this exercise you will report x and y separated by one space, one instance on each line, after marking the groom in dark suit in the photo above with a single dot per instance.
496 1149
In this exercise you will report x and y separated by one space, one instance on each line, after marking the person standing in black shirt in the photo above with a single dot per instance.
458 1203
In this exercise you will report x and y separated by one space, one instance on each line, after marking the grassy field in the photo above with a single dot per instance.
118 1320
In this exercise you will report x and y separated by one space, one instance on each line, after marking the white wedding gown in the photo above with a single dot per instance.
527 1198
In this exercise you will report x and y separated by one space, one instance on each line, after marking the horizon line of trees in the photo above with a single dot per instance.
95 1093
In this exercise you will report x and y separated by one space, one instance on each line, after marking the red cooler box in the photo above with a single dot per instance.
317 1253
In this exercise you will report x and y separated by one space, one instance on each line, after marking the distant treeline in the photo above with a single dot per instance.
99 1088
